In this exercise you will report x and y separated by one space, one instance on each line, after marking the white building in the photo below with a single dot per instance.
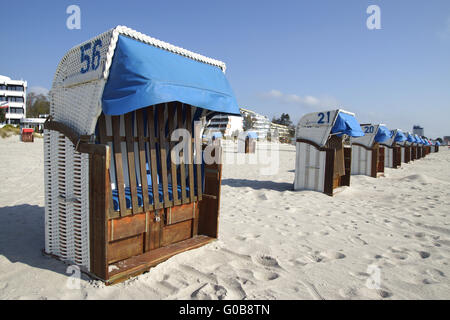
418 130
280 131
225 124
261 124
13 94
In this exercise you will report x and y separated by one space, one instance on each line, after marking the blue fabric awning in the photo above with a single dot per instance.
348 125
416 138
142 75
383 134
410 138
400 137
437 143
252 135
216 135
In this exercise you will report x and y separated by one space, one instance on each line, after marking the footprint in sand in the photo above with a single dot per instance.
265 275
424 254
265 260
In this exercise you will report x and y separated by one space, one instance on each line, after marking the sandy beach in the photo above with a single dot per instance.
274 243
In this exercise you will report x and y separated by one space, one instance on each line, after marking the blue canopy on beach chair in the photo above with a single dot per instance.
410 138
347 124
142 75
437 143
400 137
252 135
383 134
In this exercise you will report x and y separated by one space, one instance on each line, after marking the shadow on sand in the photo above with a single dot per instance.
22 238
258 184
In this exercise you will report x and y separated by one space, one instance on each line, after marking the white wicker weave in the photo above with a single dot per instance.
75 100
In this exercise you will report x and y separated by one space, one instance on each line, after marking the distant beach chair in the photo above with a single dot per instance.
406 151
435 146
248 145
419 147
26 135
117 202
368 155
322 162
394 149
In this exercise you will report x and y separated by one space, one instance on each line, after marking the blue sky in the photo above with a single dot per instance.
282 56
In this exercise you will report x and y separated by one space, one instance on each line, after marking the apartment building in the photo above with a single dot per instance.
13 95
225 124
261 124
418 130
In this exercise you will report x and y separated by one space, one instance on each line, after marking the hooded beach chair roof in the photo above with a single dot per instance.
400 136
373 133
390 141
123 70
383 134
318 126
416 139
410 137
252 135
437 143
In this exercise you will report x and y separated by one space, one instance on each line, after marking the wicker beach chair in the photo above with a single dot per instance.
368 155
117 201
323 163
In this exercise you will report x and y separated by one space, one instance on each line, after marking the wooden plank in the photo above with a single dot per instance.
129 135
190 153
102 139
345 180
176 233
125 248
118 163
182 164
136 265
154 227
126 227
195 220
329 172
153 161
380 167
99 194
142 163
173 167
198 159
208 215
163 154
179 213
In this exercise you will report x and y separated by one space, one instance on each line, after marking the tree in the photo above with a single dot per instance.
37 104
284 120
2 115
248 122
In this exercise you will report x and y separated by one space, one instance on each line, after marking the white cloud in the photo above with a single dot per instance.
303 101
38 90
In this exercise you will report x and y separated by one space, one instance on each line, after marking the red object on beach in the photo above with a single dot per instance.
4 107
27 135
